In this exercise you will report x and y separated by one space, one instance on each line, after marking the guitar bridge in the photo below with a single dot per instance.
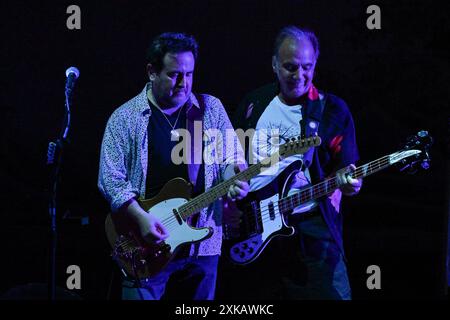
124 248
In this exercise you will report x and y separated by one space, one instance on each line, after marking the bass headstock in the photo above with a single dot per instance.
297 145
420 142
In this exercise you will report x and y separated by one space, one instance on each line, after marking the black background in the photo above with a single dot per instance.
395 81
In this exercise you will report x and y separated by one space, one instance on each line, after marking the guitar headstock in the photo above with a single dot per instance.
420 145
297 145
293 146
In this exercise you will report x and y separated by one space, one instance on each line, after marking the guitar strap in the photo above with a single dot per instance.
196 168
310 126
311 117
194 125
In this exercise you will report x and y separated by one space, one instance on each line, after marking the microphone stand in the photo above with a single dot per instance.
54 159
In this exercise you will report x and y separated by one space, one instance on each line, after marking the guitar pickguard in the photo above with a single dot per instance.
271 224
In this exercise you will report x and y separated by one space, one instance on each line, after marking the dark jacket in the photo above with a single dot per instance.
338 148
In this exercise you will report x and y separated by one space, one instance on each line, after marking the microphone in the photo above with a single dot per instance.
72 75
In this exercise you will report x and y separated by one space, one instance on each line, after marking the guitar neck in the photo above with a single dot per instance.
219 190
296 146
328 186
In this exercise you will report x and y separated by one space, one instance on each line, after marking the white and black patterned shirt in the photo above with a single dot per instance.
124 159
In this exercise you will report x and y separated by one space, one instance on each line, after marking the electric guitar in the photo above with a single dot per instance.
265 211
173 206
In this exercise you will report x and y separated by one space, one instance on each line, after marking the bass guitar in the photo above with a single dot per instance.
265 211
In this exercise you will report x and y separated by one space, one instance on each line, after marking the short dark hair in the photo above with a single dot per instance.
171 42
296 33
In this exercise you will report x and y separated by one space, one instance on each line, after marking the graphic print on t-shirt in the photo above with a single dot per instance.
278 124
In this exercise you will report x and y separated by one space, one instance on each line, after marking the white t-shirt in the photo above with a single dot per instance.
278 124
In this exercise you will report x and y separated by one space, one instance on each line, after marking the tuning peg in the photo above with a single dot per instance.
301 142
425 164
422 133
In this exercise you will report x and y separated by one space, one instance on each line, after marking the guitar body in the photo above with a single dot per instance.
262 220
173 206
140 259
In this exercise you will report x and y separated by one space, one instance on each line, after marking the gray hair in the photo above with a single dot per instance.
296 33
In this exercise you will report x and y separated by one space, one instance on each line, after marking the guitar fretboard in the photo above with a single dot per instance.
217 191
330 185
296 146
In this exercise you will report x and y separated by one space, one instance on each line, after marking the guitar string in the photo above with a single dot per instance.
303 195
371 167
214 193
172 220
364 170
265 214
309 142
193 207
327 183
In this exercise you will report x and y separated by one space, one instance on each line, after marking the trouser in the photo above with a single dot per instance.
190 278
315 267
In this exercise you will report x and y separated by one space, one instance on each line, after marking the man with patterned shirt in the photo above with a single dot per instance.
137 160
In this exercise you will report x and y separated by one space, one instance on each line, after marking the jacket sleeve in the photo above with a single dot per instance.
343 145
113 178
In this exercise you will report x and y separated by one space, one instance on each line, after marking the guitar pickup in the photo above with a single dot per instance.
251 220
271 210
